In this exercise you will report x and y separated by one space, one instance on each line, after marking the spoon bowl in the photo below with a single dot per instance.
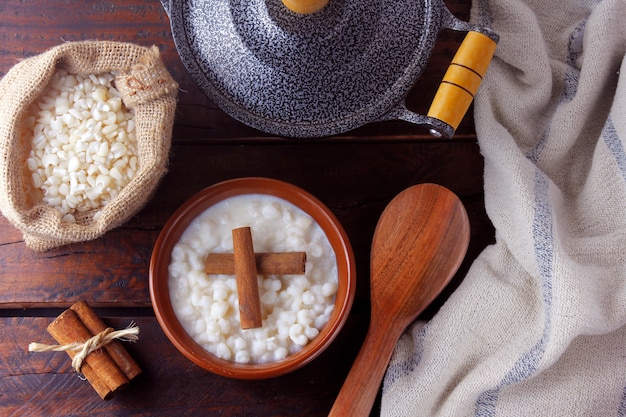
419 243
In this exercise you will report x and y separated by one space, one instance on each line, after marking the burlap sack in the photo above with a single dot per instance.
146 87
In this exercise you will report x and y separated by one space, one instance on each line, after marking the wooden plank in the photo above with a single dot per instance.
356 180
108 271
44 384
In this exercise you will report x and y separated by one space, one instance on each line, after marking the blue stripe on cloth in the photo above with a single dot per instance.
615 145
401 369
542 230
528 363
570 83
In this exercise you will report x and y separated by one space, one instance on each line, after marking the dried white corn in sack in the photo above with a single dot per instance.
146 90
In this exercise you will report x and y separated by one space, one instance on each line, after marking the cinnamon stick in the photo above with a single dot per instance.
115 349
274 263
250 314
98 367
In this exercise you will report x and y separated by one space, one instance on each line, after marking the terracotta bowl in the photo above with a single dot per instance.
180 220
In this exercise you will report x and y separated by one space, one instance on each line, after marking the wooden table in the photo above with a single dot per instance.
355 174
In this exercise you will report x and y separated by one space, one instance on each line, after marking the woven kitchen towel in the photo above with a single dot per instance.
538 326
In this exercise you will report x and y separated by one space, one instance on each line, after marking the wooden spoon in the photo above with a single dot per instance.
418 245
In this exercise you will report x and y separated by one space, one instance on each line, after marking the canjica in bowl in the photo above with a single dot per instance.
302 312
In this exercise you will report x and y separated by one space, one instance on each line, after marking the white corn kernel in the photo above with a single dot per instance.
73 164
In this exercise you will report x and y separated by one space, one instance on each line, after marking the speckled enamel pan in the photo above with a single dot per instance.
310 75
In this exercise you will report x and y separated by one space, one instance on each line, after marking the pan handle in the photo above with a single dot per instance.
459 84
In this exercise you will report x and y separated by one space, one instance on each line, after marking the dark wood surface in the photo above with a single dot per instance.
355 174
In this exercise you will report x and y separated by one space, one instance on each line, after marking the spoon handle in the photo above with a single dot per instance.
360 388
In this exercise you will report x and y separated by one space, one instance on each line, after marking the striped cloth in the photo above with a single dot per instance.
538 326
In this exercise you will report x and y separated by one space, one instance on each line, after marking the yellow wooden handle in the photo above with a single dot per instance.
305 6
462 79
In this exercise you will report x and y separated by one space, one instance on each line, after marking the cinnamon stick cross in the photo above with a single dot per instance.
246 265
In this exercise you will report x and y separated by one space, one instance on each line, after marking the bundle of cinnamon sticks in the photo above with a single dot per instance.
108 369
